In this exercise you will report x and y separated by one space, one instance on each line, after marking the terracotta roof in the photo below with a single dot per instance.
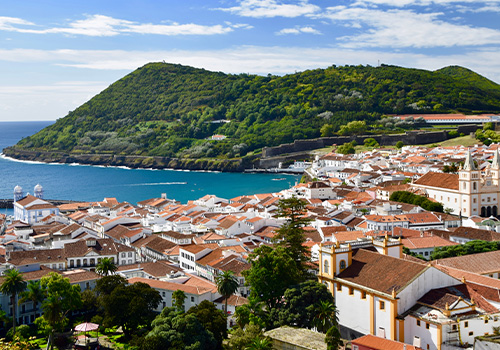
440 180
170 286
234 300
378 343
475 233
426 242
373 270
481 263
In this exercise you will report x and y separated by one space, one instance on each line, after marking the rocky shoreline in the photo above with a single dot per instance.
134 162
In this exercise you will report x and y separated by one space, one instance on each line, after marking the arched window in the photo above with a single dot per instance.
342 264
326 267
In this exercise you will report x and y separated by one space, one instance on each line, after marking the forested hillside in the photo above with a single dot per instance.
170 110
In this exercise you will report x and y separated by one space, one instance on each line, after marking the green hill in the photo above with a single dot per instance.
170 110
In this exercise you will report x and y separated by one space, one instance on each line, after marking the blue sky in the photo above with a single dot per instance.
55 54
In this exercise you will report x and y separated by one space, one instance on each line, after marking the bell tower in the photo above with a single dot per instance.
469 178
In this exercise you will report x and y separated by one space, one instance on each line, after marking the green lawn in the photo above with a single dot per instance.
466 141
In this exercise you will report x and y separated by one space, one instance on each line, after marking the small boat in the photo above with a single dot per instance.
279 179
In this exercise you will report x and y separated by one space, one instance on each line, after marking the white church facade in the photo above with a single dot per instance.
31 209
470 192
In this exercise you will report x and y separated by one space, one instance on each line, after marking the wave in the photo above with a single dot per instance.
3 156
158 184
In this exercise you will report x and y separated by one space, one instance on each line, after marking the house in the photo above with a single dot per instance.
31 209
372 342
194 294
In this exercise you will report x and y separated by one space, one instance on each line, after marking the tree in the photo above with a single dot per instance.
272 272
106 267
346 148
259 343
178 298
242 337
34 293
326 130
299 307
227 284
400 144
355 127
130 306
12 285
212 319
371 142
291 234
326 315
62 298
332 339
176 330
252 313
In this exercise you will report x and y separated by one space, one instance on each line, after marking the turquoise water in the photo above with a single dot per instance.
88 183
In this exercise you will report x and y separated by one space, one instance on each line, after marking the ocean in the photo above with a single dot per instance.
91 183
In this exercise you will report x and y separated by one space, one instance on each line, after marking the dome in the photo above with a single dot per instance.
38 188
18 189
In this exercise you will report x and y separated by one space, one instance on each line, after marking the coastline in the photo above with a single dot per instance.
129 162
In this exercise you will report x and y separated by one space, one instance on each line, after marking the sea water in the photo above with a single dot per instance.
92 183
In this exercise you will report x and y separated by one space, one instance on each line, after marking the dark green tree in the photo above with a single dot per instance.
299 307
212 319
34 293
332 339
325 315
12 285
241 337
227 285
272 272
178 298
130 306
106 267
291 234
176 330
62 298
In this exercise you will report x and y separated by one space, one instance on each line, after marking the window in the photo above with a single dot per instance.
485 320
351 291
466 324
326 267
471 334
418 323
192 299
342 264
363 295
381 305
427 326
339 287
454 327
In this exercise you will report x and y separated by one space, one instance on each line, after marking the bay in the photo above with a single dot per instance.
90 183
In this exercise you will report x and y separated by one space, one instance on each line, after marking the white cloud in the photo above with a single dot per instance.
99 25
403 3
272 8
298 30
405 28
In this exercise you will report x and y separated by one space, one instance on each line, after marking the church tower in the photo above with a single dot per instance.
469 178
18 193
495 169
38 191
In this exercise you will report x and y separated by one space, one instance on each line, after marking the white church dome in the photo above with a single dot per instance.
18 189
38 188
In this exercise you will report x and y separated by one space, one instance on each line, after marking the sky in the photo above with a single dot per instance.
57 54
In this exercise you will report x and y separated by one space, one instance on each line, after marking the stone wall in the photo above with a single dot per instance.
408 138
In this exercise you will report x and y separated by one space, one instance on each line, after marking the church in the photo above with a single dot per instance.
470 192
31 209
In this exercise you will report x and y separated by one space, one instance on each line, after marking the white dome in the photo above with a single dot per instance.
38 188
18 189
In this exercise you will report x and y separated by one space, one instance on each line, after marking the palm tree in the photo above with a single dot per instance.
106 267
12 285
326 316
52 311
34 292
227 284
260 344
